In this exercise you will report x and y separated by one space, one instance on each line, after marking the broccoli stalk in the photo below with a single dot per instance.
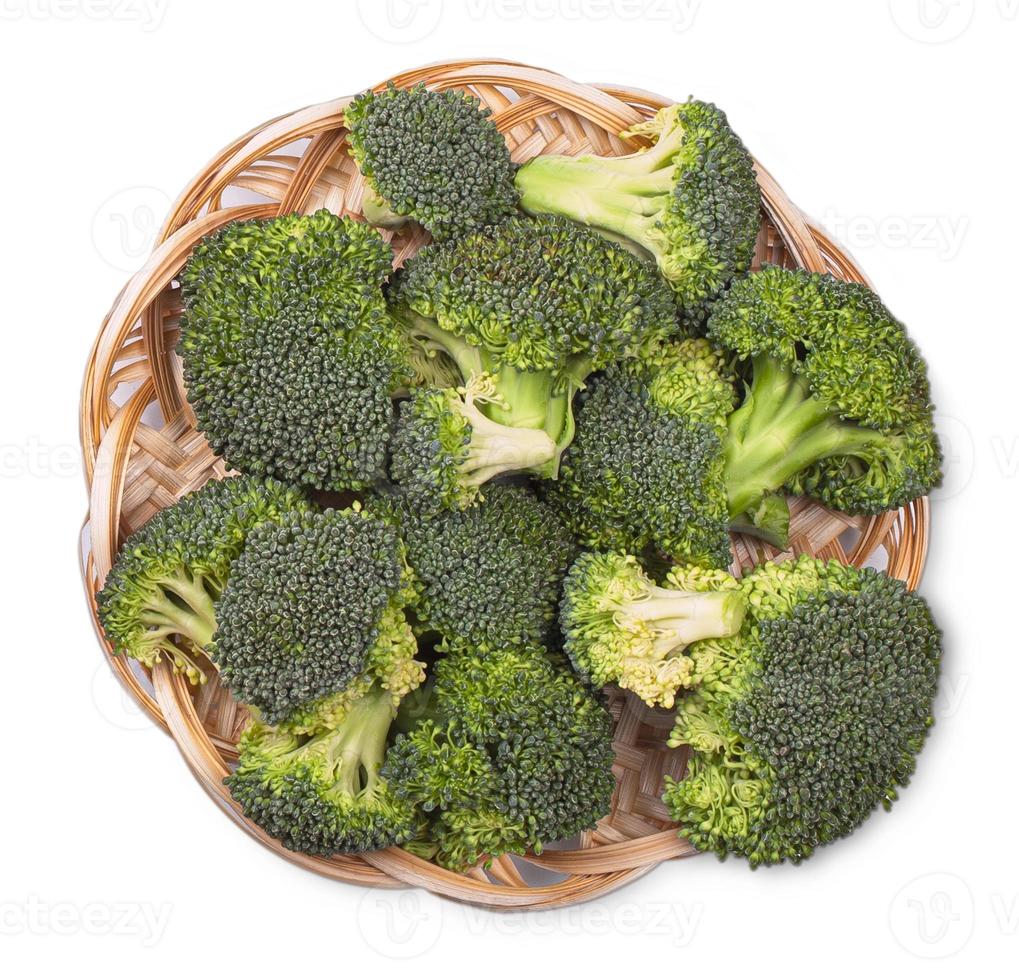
444 448
324 794
623 195
537 304
495 448
179 605
356 751
518 398
781 429
690 200
620 627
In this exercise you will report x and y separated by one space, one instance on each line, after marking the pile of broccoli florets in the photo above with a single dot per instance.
474 492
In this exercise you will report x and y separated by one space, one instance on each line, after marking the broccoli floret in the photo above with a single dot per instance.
390 666
489 576
445 448
158 599
290 358
690 200
513 753
838 408
808 718
307 606
838 405
638 478
434 157
323 794
538 304
620 627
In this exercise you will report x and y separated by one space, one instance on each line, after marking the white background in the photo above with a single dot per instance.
893 122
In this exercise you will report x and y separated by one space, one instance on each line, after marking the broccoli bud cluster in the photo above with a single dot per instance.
808 719
302 609
512 753
290 358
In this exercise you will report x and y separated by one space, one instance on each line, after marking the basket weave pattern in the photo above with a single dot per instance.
142 452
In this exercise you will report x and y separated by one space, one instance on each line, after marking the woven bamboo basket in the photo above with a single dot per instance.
142 452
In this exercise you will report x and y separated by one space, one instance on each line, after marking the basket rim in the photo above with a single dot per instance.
107 437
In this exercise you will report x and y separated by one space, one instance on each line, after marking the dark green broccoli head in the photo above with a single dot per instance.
290 357
809 718
517 753
445 448
323 794
489 576
304 606
434 157
619 627
690 200
533 292
159 596
637 477
836 383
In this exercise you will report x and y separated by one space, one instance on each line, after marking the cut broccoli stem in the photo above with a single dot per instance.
540 400
780 430
769 521
496 448
376 212
678 619
359 748
622 196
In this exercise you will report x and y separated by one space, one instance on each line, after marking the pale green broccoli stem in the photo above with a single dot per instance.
360 747
431 337
681 618
378 213
496 449
526 399
780 430
624 197
195 621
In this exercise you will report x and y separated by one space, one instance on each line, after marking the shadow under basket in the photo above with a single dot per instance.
142 452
